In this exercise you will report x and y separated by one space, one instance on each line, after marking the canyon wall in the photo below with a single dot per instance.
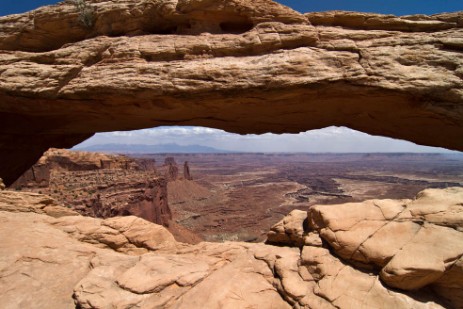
100 185
239 65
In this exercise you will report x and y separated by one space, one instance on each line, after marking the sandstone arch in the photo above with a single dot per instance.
239 65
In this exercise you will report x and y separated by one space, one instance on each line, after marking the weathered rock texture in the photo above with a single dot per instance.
100 185
240 65
128 262
408 244
66 160
144 199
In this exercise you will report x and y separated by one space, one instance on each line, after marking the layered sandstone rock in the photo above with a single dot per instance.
240 65
144 199
129 262
68 160
71 160
100 185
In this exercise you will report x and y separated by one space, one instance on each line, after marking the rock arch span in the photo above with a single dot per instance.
238 65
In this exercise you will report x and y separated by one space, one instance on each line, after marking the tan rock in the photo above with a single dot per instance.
313 239
441 207
39 265
290 230
129 234
147 63
425 259
416 242
2 185
450 285
237 285
341 286
128 262
13 201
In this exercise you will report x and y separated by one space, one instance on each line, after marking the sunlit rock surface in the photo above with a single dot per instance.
239 65
66 260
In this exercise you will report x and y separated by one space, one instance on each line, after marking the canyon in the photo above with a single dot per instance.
240 196
234 196
103 186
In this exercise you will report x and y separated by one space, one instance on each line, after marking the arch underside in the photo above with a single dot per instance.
277 71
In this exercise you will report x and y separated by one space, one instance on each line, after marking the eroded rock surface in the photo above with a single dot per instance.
240 65
129 262
290 230
100 185
11 201
413 243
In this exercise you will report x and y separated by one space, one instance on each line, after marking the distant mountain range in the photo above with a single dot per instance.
141 148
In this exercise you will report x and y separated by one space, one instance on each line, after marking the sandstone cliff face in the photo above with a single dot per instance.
100 185
67 160
129 262
239 65
145 199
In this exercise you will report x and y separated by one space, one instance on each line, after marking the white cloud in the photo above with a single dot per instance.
331 139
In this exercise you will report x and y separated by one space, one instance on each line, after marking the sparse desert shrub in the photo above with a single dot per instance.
86 13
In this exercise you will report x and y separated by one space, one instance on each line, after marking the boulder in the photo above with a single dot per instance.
414 243
290 230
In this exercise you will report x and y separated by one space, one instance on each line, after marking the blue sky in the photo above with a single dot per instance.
332 139
397 7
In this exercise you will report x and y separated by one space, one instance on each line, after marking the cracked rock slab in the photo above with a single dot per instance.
415 243
123 262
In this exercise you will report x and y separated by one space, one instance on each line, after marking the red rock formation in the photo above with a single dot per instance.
37 176
186 171
169 160
147 200
100 185
239 65
146 165
172 169
65 160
